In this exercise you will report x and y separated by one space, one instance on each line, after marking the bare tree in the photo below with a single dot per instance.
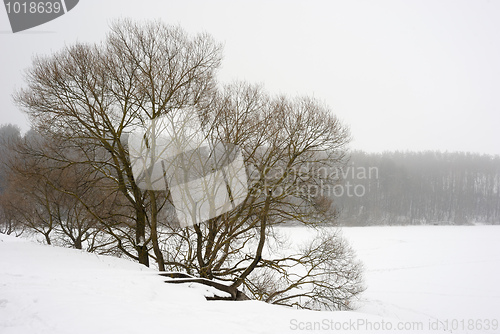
322 274
10 221
9 224
87 99
32 203
286 144
89 96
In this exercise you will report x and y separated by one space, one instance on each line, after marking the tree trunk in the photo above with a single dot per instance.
140 238
78 242
47 238
154 232
260 246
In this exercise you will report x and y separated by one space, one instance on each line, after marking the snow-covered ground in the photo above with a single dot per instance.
417 277
436 272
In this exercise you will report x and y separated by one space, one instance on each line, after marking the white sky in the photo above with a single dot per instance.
404 75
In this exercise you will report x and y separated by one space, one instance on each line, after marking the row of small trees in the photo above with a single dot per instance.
71 179
408 188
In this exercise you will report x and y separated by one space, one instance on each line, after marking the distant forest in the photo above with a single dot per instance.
395 188
412 188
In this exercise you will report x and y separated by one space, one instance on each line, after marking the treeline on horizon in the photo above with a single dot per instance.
413 188
396 188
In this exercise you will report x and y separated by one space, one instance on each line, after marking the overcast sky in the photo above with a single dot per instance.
403 75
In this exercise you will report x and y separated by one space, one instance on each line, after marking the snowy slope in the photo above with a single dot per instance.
46 289
414 274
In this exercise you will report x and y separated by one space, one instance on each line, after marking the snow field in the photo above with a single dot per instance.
429 275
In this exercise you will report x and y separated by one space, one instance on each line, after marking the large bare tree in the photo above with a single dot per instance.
287 145
90 96
85 101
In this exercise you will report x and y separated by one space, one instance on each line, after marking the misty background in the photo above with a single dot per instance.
405 76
